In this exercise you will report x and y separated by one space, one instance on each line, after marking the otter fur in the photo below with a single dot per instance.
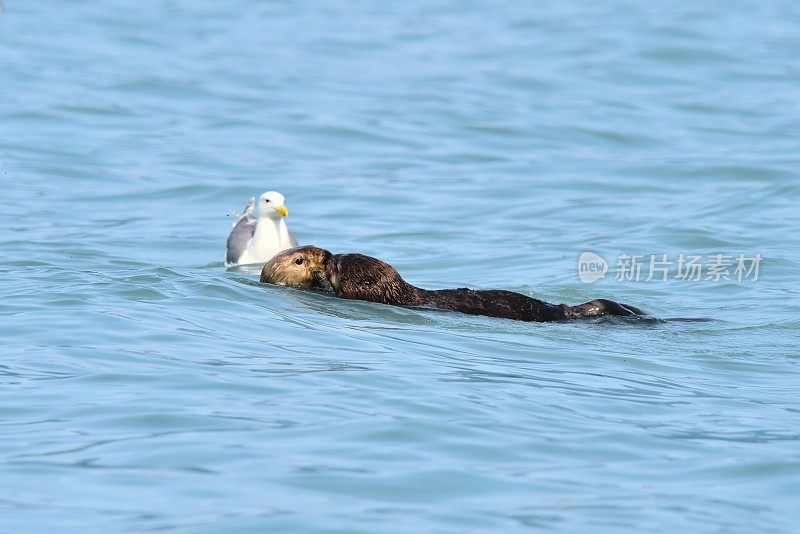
360 277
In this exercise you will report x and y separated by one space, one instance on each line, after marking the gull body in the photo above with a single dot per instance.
257 240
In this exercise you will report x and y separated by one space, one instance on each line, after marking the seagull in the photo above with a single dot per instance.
257 240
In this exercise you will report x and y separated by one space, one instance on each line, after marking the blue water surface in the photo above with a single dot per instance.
489 144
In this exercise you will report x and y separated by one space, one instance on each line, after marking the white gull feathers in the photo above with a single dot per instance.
257 240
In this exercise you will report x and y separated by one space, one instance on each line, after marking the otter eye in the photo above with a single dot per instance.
299 261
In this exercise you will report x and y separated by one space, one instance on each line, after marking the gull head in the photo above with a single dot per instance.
272 204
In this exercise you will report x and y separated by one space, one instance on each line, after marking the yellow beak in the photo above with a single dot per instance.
283 210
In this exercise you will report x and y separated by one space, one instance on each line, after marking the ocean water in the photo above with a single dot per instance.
489 144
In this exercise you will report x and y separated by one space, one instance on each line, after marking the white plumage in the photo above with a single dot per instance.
257 240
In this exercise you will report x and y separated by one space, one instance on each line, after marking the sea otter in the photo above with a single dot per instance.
355 276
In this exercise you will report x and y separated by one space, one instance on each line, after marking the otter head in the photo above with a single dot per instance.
302 267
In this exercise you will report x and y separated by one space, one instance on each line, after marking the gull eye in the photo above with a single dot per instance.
266 200
299 261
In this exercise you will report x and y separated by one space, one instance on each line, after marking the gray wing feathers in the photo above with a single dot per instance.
242 231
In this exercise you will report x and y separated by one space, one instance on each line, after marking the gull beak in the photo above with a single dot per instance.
282 210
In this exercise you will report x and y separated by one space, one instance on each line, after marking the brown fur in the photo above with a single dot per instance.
284 270
355 276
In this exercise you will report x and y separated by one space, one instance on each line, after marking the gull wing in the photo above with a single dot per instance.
243 230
